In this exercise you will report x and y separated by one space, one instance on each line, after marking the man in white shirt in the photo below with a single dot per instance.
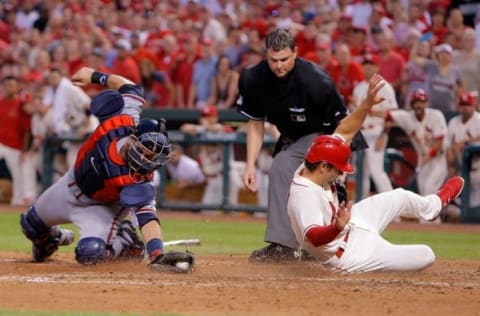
183 169
70 104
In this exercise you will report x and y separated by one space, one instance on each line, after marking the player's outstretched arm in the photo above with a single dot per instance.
86 75
352 123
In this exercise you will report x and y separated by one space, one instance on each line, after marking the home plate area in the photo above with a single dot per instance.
231 285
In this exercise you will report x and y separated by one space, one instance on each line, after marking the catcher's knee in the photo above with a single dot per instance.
33 226
91 250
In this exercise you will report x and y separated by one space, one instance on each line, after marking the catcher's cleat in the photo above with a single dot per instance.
450 190
133 246
274 253
57 237
65 237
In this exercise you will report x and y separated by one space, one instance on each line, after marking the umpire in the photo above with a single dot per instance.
302 101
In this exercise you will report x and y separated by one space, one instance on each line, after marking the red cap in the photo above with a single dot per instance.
419 95
209 111
466 98
370 59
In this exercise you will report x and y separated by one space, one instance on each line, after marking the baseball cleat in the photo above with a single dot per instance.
57 237
65 236
274 253
450 190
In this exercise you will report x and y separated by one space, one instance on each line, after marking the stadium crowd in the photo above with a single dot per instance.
189 53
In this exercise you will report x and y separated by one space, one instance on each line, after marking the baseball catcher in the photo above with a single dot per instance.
110 179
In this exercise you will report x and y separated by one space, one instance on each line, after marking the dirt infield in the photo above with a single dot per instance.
230 285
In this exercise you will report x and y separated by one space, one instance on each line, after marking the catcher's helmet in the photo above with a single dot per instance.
149 147
419 95
332 150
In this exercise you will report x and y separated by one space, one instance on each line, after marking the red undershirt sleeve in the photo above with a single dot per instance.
321 235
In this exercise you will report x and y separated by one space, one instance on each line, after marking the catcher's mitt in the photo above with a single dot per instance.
174 261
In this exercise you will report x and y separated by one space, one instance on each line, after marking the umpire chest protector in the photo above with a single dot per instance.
303 102
100 172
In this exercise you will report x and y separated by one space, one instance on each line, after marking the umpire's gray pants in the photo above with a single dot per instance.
280 176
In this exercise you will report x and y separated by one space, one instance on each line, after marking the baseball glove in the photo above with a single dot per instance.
342 192
174 261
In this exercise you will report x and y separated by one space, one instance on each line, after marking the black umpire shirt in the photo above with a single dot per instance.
305 101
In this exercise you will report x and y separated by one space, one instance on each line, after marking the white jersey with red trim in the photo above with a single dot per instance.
312 205
359 247
459 131
422 133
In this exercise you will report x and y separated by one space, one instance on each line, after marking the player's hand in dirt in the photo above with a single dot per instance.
342 217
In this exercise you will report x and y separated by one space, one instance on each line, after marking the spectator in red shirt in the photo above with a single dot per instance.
438 27
305 39
159 89
343 29
323 54
255 20
85 49
14 132
139 53
347 73
124 65
392 64
183 71
358 43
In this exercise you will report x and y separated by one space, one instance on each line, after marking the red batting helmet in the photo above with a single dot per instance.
332 150
419 95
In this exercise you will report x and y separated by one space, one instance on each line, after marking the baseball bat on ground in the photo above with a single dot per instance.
183 242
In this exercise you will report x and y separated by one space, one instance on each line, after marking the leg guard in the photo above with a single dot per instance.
45 240
91 250
33 226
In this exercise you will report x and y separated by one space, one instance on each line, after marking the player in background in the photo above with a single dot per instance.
464 130
373 130
346 236
427 130
211 158
110 178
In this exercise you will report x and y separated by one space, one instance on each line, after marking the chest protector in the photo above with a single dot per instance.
100 172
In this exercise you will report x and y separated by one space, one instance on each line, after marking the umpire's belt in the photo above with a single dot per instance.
343 246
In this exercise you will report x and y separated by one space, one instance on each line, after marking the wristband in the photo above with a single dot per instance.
154 248
433 152
100 78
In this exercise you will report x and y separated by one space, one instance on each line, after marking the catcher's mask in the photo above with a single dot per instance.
149 148
332 150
